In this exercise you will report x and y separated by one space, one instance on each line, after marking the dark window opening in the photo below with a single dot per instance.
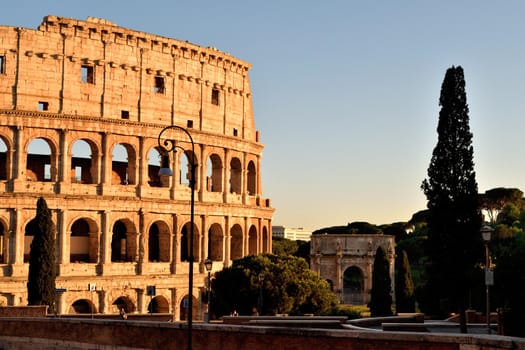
189 123
43 106
215 97
234 132
159 85
88 74
2 64
124 114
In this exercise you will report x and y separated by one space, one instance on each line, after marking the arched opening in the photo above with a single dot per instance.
119 243
214 174
160 237
3 160
216 242
159 305
252 241
353 286
28 238
252 179
154 158
236 242
265 240
153 244
235 176
82 306
40 164
83 163
184 306
124 165
123 303
185 242
80 243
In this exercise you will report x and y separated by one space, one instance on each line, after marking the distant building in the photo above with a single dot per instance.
346 261
292 233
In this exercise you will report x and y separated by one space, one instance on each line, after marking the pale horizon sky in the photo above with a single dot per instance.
346 92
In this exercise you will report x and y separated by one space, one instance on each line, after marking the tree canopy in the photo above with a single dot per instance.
270 284
494 200
42 268
380 295
454 218
405 298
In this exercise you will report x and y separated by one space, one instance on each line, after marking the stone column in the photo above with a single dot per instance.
175 246
105 165
142 301
61 307
142 159
175 165
205 240
103 302
246 237
260 240
64 238
105 241
227 242
17 247
244 182
202 175
19 161
258 190
227 176
175 307
64 160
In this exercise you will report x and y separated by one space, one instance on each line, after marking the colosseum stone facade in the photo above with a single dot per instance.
82 104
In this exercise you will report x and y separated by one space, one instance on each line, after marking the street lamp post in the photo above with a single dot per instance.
486 232
170 145
208 264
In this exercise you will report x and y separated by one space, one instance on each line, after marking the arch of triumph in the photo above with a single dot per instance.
119 227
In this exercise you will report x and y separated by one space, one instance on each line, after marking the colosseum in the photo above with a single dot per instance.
82 105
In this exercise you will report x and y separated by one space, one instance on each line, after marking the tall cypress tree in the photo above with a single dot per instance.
42 268
380 295
454 243
405 300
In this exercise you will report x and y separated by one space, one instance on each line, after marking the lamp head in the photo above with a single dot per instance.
208 264
165 166
486 232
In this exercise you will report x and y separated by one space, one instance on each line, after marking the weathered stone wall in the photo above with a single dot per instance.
84 334
93 82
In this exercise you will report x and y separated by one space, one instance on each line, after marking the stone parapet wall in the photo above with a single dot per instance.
63 333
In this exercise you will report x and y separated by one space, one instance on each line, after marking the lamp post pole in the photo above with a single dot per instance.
208 264
170 145
486 232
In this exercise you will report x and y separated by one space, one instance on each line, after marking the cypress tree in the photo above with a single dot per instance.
405 301
42 268
380 297
454 243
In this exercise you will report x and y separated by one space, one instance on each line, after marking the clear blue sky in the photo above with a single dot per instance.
346 92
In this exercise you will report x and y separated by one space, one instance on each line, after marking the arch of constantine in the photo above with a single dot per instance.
346 261
81 106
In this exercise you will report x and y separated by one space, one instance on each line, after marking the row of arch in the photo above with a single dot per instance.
158 304
85 160
85 244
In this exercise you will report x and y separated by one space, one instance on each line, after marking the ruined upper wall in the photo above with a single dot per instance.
95 68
